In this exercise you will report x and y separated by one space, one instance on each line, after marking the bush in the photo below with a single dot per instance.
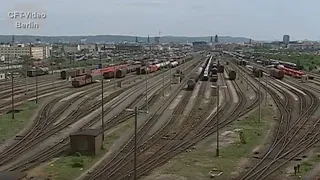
77 161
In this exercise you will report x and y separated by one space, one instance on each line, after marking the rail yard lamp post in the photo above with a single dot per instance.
147 69
102 111
259 75
12 91
163 81
136 112
217 114
26 74
170 77
36 84
266 90
51 64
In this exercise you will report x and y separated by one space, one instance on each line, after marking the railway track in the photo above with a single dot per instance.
160 148
286 132
76 116
127 149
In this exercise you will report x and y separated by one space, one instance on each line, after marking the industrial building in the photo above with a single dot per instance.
86 142
286 39
128 47
304 46
14 51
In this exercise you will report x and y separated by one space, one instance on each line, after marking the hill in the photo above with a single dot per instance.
115 38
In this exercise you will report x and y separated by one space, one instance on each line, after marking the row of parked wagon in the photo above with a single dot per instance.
82 76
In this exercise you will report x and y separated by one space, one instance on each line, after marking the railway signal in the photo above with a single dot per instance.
217 114
136 112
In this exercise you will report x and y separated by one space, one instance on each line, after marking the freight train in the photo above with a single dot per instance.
196 76
85 77
207 70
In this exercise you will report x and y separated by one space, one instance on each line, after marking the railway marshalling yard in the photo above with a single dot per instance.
177 138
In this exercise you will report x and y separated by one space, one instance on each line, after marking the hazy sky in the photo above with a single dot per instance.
257 19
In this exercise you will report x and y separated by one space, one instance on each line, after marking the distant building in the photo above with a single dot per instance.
216 40
89 47
304 46
157 40
153 47
200 45
38 52
128 47
14 51
70 48
286 39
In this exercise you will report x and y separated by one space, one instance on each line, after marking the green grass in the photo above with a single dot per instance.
10 127
70 167
308 61
308 165
200 161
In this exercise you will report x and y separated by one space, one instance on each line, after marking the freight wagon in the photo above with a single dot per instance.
120 73
232 75
278 74
73 73
85 80
140 70
257 72
150 69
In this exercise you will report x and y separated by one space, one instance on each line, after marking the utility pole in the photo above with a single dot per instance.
163 81
259 98
266 89
218 97
12 91
217 114
51 66
147 69
102 112
136 112
170 77
26 64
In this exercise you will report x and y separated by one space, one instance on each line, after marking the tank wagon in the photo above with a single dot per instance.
39 72
196 76
257 72
214 78
276 73
194 79
214 71
232 75
220 69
